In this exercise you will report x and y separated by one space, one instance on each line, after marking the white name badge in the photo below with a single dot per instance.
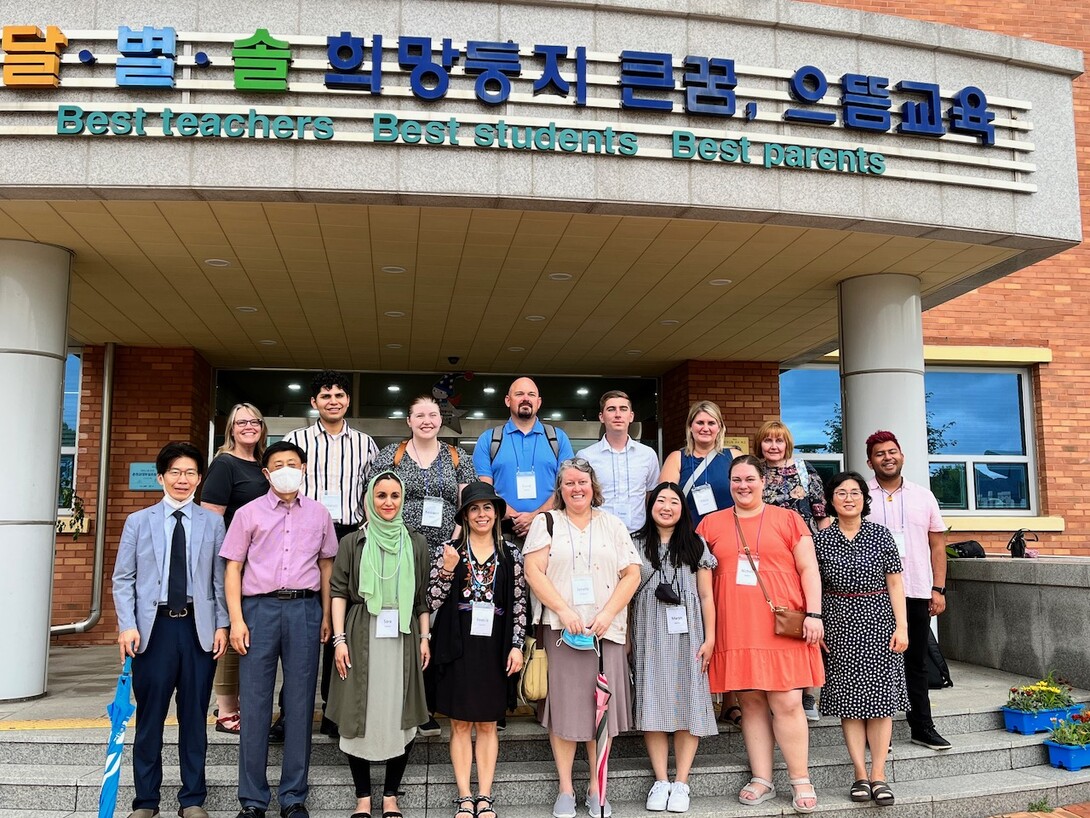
432 516
526 485
745 574
704 498
483 617
386 626
332 502
582 590
677 619
899 541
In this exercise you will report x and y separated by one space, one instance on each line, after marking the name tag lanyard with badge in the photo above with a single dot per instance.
582 587
387 624
432 513
525 481
746 573
668 592
703 495
898 536
482 613
619 503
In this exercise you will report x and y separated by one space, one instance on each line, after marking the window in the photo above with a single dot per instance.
978 433
69 427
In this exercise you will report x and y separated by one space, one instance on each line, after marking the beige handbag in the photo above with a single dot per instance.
534 681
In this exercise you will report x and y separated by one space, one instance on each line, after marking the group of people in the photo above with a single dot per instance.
418 571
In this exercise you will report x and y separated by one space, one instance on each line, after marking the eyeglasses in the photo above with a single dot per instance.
188 474
841 494
242 424
576 462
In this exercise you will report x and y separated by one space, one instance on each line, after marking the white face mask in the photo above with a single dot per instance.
177 504
286 480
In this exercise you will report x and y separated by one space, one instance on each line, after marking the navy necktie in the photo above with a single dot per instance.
176 585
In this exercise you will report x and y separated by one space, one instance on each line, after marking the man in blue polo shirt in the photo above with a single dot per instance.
520 459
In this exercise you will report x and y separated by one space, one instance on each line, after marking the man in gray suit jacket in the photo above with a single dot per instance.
172 617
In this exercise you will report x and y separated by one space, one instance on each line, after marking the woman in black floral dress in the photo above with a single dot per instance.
790 482
866 631
477 585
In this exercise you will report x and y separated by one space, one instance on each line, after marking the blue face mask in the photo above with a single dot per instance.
578 641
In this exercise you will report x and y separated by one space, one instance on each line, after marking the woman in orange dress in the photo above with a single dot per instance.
768 671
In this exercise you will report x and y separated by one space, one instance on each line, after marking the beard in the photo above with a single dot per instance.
525 410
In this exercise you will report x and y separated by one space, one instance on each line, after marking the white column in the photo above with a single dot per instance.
33 344
881 368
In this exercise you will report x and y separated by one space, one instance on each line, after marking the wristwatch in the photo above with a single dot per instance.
813 615
426 636
941 590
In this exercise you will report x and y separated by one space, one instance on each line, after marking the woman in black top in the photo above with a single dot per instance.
233 479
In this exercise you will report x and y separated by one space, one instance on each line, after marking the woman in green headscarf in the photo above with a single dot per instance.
381 633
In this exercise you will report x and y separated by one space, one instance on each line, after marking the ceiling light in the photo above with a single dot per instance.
393 270
295 387
720 282
394 314
393 388
560 276
489 390
217 262
633 352
396 413
516 349
669 322
478 414
582 390
246 309
393 346
268 342
557 415
312 412
535 317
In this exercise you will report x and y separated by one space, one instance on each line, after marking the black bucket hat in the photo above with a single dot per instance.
478 492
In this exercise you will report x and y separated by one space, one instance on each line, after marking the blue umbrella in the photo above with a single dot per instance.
120 710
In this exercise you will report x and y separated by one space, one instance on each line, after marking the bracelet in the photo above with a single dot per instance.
426 636
340 639
445 574
813 615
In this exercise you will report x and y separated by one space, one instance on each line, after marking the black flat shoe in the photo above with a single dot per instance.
860 791
295 811
882 794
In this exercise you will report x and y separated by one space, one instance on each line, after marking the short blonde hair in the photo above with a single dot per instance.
774 428
579 464
709 408
229 442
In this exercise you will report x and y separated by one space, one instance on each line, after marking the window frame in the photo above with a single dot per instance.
73 450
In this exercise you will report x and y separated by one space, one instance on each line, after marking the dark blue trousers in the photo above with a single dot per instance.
173 664
284 631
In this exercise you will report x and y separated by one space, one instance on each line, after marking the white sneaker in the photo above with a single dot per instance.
659 796
679 797
810 708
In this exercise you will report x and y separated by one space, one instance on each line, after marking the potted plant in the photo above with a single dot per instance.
1032 708
1068 742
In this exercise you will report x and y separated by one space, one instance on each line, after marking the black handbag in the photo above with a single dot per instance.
964 550
1017 544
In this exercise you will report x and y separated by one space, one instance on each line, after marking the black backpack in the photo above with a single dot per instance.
497 441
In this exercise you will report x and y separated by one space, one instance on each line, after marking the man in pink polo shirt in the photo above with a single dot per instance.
279 554
911 513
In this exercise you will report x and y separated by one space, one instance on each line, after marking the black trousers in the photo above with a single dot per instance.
919 628
395 770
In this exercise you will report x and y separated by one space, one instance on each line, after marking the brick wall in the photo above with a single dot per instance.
159 395
748 393
1043 305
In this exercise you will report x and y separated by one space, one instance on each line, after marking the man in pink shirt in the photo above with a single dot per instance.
279 554
911 513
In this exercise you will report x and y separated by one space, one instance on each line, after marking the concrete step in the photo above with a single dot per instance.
959 796
530 782
524 740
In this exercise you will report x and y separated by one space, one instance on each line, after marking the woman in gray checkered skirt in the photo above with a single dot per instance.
673 634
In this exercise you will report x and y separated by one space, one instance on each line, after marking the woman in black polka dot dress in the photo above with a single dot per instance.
866 631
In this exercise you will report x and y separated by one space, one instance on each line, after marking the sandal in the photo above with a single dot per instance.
797 797
860 790
882 794
392 813
761 797
461 799
360 815
725 715
487 799
229 724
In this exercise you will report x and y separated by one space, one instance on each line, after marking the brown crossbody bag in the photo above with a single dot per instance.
786 622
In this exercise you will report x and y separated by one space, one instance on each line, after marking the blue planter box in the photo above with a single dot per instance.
1019 721
1066 756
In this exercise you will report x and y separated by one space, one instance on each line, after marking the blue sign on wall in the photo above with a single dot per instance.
142 477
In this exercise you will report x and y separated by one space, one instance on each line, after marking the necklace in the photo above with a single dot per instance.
480 577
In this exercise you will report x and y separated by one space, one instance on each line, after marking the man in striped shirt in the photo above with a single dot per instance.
337 469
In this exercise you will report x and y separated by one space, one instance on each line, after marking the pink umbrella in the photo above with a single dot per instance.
602 695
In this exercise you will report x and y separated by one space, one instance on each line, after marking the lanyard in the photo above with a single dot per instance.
620 499
533 454
590 539
760 526
427 472
475 577
889 499
397 566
